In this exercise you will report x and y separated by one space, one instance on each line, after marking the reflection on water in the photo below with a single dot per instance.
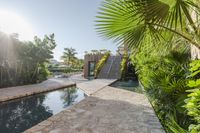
18 115
131 85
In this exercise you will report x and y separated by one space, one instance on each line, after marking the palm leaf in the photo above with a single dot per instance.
135 19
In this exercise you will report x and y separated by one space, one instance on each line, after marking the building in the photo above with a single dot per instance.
90 61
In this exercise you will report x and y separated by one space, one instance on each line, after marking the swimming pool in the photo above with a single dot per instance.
18 115
131 85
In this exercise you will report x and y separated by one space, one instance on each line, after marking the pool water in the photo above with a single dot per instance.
18 115
131 85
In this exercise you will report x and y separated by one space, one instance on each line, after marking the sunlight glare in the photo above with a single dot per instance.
13 23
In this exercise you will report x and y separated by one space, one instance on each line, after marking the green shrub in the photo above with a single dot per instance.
69 70
174 127
43 73
100 64
167 85
123 66
29 57
193 101
163 76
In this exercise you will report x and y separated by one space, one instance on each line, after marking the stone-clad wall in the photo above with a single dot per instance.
89 58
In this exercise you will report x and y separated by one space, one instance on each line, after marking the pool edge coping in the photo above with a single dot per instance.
5 99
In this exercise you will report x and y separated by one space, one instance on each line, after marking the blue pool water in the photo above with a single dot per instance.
18 115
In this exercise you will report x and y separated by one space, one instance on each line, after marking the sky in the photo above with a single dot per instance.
72 22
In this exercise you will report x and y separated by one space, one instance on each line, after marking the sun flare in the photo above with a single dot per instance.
13 23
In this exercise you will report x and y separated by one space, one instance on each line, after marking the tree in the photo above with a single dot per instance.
69 56
133 21
24 62
155 31
78 63
34 55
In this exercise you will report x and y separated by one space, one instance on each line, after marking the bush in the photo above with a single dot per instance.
43 73
193 101
69 70
28 58
164 77
123 66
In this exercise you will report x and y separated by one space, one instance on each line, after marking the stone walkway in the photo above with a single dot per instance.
78 78
106 110
93 86
27 90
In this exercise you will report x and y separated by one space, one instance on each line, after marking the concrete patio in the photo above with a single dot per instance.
107 109
27 90
51 84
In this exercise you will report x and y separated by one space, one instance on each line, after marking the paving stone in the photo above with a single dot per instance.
91 87
108 110
55 131
27 90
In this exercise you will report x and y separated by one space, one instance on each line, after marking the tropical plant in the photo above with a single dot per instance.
173 127
78 64
24 62
155 31
133 21
193 101
163 75
69 56
100 64
193 107
124 66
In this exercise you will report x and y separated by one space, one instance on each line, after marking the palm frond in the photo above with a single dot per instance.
128 19
133 20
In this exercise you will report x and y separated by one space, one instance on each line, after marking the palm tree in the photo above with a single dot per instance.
148 25
69 56
135 21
